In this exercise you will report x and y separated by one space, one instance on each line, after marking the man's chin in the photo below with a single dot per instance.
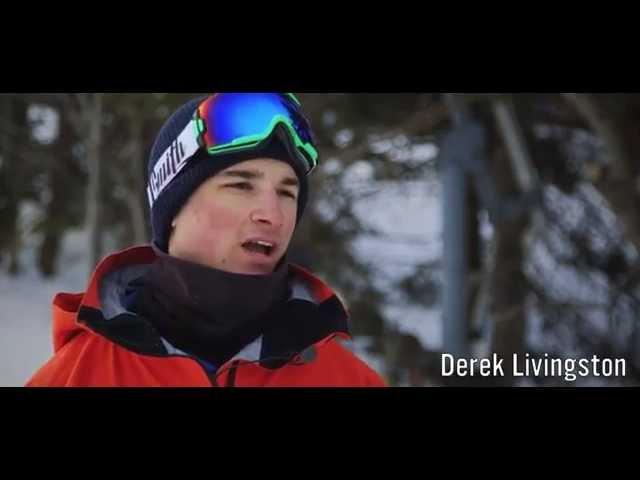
255 264
239 268
256 270
253 267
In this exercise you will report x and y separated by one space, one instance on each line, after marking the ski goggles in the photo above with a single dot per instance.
235 122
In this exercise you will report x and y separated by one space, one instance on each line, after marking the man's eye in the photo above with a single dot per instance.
241 186
287 193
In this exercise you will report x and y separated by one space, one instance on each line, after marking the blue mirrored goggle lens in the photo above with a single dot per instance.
245 118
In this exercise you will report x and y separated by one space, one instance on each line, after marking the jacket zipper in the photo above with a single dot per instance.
232 370
231 376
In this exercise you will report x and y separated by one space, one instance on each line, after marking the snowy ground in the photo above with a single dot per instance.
25 313
25 341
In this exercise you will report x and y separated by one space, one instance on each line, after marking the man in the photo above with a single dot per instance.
213 300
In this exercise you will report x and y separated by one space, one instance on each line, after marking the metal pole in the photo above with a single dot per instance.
455 254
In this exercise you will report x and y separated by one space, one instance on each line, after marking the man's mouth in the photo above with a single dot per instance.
259 246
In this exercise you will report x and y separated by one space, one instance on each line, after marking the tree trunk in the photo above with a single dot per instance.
508 284
128 173
63 184
10 210
509 293
134 199
92 113
475 271
515 176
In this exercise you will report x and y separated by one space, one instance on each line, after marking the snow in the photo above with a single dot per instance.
409 216
25 340
25 316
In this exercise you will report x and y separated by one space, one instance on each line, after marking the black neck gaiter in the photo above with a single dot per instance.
207 312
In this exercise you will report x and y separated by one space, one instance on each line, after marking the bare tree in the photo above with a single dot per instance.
86 113
8 198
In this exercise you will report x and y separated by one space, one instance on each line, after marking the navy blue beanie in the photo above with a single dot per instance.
202 167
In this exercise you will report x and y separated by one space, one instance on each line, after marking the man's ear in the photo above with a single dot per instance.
172 231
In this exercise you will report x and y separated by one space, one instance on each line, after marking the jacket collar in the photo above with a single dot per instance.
98 308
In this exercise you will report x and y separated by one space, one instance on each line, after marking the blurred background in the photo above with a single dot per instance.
471 224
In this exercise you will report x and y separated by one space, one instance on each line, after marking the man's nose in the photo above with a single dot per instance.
268 211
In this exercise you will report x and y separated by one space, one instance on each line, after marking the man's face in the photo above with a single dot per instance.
241 220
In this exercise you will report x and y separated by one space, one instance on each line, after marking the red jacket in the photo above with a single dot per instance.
97 346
